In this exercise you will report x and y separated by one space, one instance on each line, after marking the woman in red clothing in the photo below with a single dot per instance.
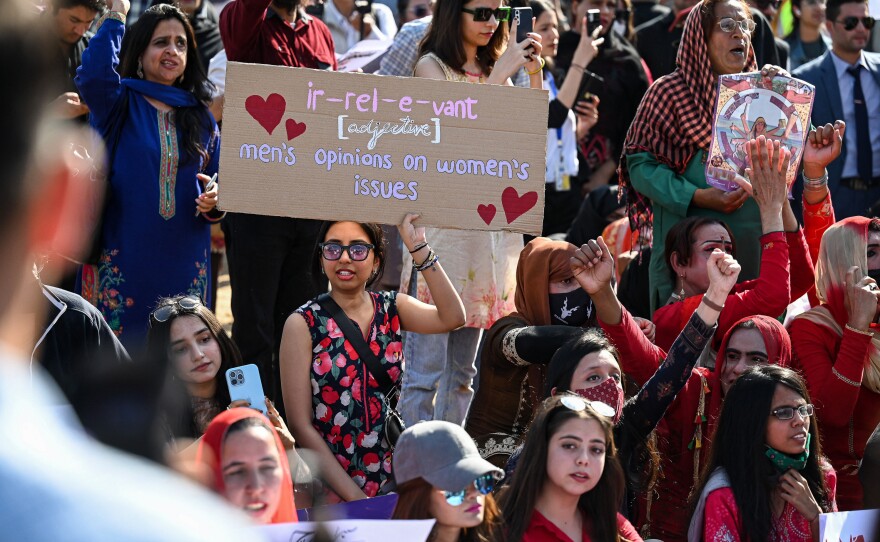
568 485
689 243
682 442
765 478
836 349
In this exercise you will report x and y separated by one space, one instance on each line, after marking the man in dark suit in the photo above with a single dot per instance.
847 81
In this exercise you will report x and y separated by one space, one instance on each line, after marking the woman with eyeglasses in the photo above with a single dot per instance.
806 40
440 475
186 333
335 404
838 350
685 430
569 484
766 478
662 170
147 92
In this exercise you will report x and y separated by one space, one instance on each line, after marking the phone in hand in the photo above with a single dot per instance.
593 20
523 18
244 384
591 85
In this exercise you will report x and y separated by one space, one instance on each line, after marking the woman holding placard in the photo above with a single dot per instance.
663 167
465 43
147 94
341 353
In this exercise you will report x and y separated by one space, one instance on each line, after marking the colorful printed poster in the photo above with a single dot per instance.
749 106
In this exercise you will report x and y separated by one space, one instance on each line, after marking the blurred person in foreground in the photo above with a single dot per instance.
55 483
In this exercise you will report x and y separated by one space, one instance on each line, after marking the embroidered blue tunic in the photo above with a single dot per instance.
151 244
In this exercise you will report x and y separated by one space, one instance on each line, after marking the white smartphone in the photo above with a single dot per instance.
244 384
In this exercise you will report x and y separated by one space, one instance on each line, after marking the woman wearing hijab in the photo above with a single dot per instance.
146 94
663 167
837 350
550 309
249 465
683 433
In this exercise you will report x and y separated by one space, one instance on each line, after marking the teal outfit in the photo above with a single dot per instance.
671 195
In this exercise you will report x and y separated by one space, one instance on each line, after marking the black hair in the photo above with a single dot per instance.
832 7
739 443
98 6
377 239
680 237
159 341
191 120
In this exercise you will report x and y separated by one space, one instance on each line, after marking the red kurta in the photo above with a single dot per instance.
768 294
847 413
540 529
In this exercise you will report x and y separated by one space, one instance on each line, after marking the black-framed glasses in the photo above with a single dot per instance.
484 484
358 252
787 413
850 23
163 313
579 404
481 15
729 24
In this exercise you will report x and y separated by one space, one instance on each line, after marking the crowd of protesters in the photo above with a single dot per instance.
667 361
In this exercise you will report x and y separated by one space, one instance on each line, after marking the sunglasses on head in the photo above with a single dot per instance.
787 413
579 404
728 24
481 15
484 484
358 252
850 23
163 313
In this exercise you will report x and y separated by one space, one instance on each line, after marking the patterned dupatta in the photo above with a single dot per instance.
674 119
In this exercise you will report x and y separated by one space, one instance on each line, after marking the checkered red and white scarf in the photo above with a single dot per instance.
675 116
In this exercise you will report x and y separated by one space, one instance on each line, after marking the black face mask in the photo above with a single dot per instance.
573 308
874 274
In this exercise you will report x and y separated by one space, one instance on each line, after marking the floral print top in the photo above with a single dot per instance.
348 414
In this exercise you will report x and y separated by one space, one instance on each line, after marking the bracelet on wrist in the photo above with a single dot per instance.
815 184
115 15
573 65
711 304
418 247
429 262
539 69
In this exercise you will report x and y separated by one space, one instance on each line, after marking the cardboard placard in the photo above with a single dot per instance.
350 530
324 145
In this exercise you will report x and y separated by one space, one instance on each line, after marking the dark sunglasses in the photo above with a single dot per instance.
163 313
421 10
850 23
358 252
787 413
484 484
481 15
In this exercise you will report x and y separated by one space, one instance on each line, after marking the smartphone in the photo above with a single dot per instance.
244 383
523 18
591 85
593 20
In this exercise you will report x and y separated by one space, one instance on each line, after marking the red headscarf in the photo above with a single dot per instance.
675 116
211 446
541 262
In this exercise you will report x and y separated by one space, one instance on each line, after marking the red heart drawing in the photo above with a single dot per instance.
267 112
515 205
486 212
294 129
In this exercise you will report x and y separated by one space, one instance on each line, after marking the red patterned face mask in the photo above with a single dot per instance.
608 392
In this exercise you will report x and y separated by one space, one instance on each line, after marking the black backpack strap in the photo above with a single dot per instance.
356 339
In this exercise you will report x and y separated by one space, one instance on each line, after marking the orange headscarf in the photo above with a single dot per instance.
541 262
211 446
